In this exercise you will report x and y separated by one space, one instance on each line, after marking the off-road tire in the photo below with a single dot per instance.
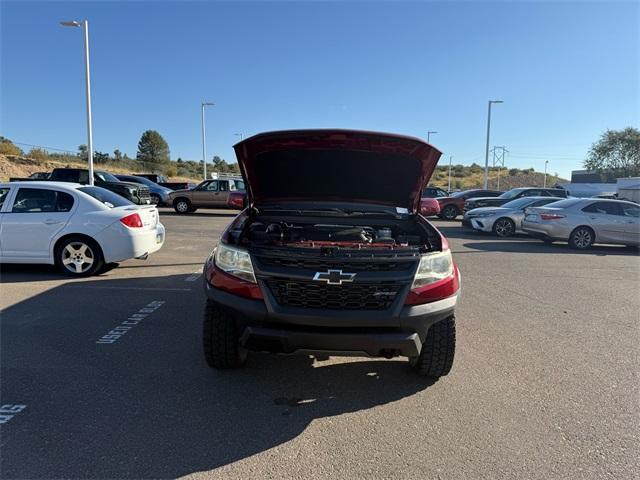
155 199
221 339
582 238
436 358
450 212
182 205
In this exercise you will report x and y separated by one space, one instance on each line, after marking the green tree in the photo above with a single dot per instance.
117 155
616 149
82 152
100 157
153 148
8 148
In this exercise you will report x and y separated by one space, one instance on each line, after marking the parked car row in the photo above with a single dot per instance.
579 221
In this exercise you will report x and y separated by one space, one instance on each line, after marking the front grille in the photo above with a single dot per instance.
143 193
348 296
322 264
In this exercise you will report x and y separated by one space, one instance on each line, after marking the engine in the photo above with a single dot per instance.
319 234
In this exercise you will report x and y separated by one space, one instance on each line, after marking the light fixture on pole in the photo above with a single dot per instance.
429 135
486 153
544 185
85 25
204 140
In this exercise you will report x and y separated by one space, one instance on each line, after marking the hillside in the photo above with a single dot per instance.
465 177
462 177
19 166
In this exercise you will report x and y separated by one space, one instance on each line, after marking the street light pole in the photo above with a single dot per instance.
429 136
238 135
204 140
544 185
85 25
486 152
449 187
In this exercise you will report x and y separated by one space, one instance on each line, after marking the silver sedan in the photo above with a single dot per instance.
506 220
585 221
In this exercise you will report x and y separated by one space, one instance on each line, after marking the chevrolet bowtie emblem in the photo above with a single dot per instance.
334 277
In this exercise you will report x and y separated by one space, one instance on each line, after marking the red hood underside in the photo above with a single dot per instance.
336 165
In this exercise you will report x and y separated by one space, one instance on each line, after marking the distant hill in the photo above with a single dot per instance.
465 177
462 177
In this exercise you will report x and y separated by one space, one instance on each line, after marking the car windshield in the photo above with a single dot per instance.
519 203
143 180
511 193
106 177
106 197
459 194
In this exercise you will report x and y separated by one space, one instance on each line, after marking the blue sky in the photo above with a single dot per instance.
566 71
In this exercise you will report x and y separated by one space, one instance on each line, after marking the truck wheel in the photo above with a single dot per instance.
436 358
155 199
79 256
450 212
182 205
221 339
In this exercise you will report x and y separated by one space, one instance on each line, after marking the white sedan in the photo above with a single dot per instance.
79 228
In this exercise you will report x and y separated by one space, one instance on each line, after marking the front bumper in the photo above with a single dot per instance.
305 330
484 224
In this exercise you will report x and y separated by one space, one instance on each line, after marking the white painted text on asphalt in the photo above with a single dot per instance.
7 412
133 320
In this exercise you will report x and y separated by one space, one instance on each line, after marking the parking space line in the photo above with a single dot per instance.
194 276
116 333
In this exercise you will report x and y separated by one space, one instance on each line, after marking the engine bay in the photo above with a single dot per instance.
348 235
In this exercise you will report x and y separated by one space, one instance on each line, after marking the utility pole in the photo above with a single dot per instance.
85 25
486 152
204 140
498 159
546 162
449 187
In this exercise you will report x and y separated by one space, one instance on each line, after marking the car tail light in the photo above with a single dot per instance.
132 221
551 216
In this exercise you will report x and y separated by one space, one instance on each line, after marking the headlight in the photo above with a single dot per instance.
480 215
433 267
235 262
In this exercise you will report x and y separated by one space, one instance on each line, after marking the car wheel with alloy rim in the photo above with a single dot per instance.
79 257
450 212
504 227
182 205
582 238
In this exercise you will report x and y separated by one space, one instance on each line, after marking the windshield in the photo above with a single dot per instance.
106 197
106 177
511 193
519 202
459 194
565 203
143 180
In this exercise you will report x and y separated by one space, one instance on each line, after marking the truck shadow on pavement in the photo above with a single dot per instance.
148 406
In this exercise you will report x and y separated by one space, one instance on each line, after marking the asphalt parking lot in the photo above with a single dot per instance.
545 382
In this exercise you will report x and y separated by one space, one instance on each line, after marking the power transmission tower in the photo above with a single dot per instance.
499 154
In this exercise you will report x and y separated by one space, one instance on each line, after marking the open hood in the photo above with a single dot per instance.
336 165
